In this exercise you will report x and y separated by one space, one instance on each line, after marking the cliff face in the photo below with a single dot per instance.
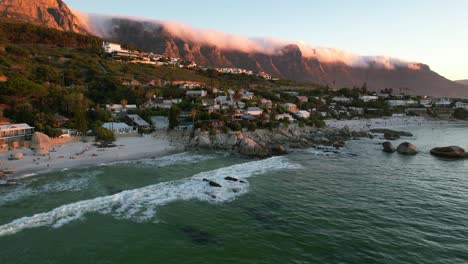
288 63
49 13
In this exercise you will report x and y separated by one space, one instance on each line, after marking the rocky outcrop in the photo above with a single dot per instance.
407 148
452 152
391 134
49 13
388 147
266 143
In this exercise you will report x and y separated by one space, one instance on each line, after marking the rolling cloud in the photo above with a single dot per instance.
102 26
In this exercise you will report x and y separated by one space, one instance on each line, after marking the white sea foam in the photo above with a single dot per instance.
165 161
72 182
140 205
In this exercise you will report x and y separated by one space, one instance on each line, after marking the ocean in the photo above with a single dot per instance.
358 205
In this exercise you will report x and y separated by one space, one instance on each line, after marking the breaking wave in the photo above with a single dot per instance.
140 205
166 161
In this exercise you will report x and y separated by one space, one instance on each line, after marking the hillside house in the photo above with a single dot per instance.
461 105
302 114
197 93
290 107
254 111
118 108
302 99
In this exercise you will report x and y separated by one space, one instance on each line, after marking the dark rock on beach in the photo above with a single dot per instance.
231 179
407 148
453 152
213 183
391 134
388 147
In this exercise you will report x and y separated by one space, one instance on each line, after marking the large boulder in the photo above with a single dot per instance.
18 156
453 152
249 147
392 134
388 147
407 148
204 141
278 150
40 141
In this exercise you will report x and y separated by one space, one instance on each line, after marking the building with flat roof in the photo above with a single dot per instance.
14 133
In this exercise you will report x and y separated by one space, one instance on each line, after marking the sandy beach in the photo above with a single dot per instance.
390 122
81 154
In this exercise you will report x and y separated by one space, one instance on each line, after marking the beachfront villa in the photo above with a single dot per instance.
119 128
14 133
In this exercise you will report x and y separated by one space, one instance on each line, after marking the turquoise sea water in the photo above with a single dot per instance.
358 206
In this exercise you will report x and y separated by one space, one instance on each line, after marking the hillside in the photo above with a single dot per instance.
464 82
50 13
288 62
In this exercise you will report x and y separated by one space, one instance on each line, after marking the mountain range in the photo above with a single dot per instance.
291 60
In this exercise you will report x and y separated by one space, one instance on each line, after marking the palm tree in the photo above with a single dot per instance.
194 115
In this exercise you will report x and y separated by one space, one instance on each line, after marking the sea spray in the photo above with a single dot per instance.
77 181
140 205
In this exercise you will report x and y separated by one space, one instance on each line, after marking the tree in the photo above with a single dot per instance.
173 116
194 115
103 134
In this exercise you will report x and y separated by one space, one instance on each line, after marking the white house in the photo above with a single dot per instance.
283 116
426 102
342 99
303 99
248 95
254 111
197 93
443 103
190 86
118 108
111 47
119 128
368 98
394 103
137 121
302 114
461 105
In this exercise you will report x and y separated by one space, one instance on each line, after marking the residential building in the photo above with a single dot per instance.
342 99
254 111
139 122
248 95
426 103
60 121
118 108
443 103
14 133
302 99
266 103
283 116
119 128
369 98
197 93
461 105
290 107
302 114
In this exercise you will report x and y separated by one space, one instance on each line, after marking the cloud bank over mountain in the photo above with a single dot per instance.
103 26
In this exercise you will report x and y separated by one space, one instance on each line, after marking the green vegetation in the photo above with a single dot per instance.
104 135
460 113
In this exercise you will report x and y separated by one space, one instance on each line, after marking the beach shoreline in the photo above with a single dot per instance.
75 155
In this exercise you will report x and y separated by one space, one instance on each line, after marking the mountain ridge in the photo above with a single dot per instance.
285 61
50 13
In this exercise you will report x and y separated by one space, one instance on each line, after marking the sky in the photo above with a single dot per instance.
434 32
